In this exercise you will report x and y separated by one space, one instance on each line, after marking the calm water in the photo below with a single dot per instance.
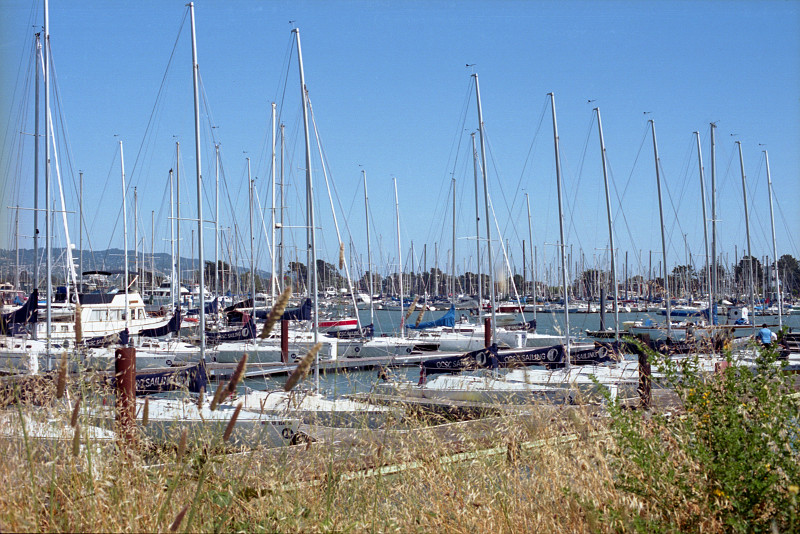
388 321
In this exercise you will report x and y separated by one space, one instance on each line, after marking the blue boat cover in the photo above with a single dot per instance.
174 326
192 378
448 319
353 333
477 359
28 313
248 331
303 313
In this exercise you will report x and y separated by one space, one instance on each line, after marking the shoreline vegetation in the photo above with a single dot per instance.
719 453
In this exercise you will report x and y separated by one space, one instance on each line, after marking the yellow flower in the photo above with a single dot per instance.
794 489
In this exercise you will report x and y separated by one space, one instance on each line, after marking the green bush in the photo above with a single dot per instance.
727 460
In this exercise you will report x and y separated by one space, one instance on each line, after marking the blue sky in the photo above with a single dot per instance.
391 95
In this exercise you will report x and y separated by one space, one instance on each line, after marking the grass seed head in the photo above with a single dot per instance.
75 412
237 375
232 423
412 308
302 368
61 381
146 411
178 519
76 441
276 312
182 445
222 390
419 317
78 325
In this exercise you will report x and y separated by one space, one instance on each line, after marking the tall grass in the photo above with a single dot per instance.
552 469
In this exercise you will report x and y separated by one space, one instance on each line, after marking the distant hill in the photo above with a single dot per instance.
111 260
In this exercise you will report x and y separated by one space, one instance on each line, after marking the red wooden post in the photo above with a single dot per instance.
487 331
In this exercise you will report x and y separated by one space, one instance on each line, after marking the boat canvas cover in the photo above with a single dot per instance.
248 331
173 326
28 313
448 319
353 333
191 379
478 359
303 313
120 338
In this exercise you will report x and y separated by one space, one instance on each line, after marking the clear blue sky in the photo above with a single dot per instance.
391 95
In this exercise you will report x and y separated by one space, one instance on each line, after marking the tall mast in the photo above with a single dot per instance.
747 232
195 69
563 245
274 281
774 245
48 234
663 236
714 287
152 251
399 258
127 312
453 255
136 235
36 180
486 206
216 220
369 252
533 254
280 264
80 228
311 232
16 248
705 231
178 216
172 286
610 228
477 226
252 242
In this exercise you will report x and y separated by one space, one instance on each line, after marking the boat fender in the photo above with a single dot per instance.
552 354
169 363
480 358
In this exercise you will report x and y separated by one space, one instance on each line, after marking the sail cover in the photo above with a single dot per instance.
173 326
192 378
448 319
28 313
248 331
303 313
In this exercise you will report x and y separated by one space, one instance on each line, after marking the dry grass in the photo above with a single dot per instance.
551 469
504 474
